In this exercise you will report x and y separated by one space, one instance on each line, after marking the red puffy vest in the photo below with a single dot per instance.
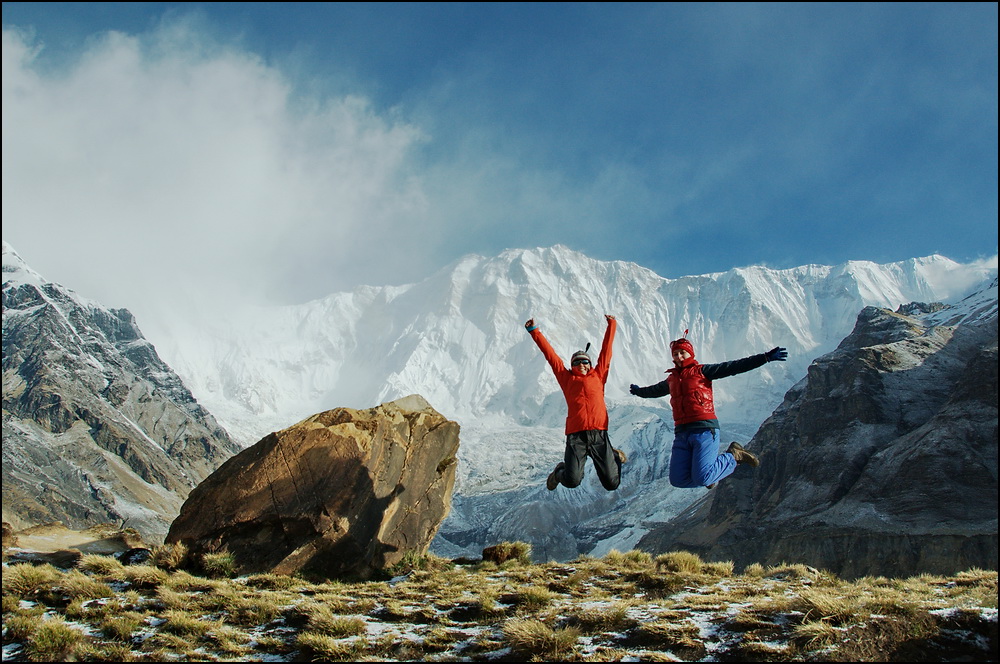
691 396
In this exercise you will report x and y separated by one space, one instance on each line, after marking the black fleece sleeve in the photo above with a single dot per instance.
661 389
733 367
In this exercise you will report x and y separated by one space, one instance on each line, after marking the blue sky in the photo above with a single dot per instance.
288 150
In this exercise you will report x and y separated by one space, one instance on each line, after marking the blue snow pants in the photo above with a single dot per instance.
695 459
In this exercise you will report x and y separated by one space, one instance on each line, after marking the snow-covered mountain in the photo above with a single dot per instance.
458 339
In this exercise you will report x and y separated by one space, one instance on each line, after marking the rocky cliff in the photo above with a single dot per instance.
343 493
882 461
96 428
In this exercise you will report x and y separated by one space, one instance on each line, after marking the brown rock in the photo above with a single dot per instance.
9 538
342 493
55 544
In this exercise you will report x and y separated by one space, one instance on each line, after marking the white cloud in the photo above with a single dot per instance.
168 162
160 163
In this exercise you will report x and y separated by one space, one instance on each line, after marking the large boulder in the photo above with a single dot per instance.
344 493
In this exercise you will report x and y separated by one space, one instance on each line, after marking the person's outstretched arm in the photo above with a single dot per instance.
733 367
660 389
551 356
604 361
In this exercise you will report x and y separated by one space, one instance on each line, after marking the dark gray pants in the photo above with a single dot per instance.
595 444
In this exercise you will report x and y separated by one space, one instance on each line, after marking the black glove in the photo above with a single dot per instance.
776 354
633 388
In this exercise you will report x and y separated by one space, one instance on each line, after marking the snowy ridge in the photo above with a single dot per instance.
979 306
16 271
457 338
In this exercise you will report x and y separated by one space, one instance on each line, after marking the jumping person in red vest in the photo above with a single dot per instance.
695 459
587 417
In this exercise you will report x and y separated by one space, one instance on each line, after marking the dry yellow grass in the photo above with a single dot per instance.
533 639
624 606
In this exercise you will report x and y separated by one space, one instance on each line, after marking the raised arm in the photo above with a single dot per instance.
604 361
551 356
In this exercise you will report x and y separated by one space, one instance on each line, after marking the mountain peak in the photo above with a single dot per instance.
119 436
15 270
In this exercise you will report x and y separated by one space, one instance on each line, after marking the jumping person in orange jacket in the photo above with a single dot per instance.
587 417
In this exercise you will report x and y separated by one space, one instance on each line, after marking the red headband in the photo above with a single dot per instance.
683 344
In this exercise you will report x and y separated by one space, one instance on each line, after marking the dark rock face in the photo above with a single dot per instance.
96 428
882 461
135 556
343 493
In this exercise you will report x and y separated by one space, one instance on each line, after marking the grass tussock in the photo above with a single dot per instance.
108 652
624 606
831 607
506 552
77 585
219 565
325 648
815 634
121 627
10 604
171 556
323 621
53 641
23 581
681 562
186 624
272 581
533 598
536 641
101 565
611 618
145 577
628 560
414 561
19 627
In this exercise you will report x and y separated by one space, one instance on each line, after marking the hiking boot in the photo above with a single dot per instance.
619 455
552 482
743 456
712 485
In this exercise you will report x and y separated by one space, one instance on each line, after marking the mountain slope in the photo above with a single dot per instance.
458 339
96 428
882 461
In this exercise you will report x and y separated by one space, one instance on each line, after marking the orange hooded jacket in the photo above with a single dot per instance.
584 394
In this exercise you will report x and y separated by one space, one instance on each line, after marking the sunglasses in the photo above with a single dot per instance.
576 362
